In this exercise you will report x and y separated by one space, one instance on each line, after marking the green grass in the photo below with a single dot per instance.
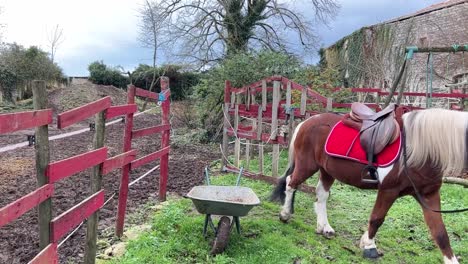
176 235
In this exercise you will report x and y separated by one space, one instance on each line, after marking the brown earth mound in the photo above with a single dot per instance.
61 100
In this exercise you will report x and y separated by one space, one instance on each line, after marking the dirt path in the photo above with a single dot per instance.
19 240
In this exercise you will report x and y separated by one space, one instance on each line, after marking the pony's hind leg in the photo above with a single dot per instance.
298 176
385 200
322 193
437 228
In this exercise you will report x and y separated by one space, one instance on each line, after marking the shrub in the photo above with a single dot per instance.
181 80
240 69
99 73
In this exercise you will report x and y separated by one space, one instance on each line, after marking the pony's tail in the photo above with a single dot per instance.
278 194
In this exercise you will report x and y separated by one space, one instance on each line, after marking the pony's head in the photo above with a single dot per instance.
438 136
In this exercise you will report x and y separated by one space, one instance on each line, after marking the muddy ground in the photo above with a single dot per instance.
19 240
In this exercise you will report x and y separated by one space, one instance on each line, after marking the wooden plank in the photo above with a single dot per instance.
437 95
274 113
237 140
148 158
120 110
260 158
42 156
165 142
303 101
329 105
267 115
73 116
150 130
259 123
233 99
320 98
15 209
225 135
71 218
227 100
124 180
118 161
96 186
23 120
147 94
248 100
264 137
63 168
227 91
47 256
275 160
288 95
264 95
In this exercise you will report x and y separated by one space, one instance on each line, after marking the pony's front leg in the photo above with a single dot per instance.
436 226
323 192
288 205
385 199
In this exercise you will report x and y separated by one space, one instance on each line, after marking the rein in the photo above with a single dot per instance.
418 195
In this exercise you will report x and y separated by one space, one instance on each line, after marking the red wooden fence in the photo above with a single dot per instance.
163 154
279 115
58 170
250 104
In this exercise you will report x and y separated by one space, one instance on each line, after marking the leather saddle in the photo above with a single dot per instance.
377 130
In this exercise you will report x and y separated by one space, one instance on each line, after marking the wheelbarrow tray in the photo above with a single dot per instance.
223 200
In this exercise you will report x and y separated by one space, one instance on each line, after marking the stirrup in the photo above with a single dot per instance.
371 172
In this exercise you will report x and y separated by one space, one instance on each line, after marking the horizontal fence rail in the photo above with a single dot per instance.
53 230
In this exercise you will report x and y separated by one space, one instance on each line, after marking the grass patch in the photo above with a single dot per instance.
176 235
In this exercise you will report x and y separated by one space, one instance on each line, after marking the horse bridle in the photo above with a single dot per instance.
418 195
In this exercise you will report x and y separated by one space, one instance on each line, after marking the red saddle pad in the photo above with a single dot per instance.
344 142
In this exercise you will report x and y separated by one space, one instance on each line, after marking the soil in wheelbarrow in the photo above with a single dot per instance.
19 240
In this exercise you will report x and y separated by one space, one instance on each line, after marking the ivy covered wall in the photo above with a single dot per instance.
372 56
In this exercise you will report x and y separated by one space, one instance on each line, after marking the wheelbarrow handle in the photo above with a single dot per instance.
207 176
239 176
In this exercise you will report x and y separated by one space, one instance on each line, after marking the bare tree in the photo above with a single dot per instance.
207 31
151 26
55 38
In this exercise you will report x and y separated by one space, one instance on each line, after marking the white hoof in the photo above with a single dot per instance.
453 260
367 243
284 217
325 230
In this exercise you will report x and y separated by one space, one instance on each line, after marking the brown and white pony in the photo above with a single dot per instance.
436 145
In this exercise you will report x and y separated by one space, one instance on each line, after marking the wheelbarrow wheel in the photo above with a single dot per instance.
222 236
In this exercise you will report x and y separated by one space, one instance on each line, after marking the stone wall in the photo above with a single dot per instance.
372 56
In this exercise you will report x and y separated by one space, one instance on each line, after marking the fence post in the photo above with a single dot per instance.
275 160
329 104
304 100
259 138
237 140
123 190
274 127
264 95
96 186
274 110
164 161
42 160
227 99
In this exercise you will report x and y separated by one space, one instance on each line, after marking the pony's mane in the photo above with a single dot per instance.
438 136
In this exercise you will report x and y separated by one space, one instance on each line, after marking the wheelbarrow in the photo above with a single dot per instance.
229 202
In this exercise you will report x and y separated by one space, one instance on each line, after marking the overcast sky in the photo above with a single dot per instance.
107 29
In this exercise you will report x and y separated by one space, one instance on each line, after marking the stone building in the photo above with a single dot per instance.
372 56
